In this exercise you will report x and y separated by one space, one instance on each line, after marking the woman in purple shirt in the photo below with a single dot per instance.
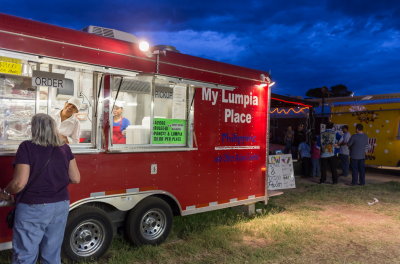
44 166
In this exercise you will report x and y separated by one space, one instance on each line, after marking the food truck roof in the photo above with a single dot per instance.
278 101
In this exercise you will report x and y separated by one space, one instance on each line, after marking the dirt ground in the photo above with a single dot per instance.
367 234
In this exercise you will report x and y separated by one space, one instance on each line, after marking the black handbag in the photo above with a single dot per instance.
10 218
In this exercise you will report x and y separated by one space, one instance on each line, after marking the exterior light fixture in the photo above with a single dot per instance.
144 46
265 81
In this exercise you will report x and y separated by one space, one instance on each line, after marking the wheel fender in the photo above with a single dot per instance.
123 202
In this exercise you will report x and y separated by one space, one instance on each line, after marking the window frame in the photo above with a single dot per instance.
95 144
151 147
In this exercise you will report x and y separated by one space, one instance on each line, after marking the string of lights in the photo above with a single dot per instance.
287 111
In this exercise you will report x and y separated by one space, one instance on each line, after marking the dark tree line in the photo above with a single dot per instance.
339 90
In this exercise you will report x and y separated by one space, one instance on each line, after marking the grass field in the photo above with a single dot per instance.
310 224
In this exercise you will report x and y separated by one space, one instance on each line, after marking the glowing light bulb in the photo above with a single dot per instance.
144 46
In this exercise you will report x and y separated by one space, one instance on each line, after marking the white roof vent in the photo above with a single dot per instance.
111 33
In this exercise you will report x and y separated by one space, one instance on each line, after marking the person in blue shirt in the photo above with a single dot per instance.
358 145
120 124
305 155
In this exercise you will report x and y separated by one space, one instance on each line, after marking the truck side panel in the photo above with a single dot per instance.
381 123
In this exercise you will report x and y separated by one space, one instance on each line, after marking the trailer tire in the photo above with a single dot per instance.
149 223
88 234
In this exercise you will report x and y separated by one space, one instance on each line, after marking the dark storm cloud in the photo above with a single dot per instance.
305 44
362 8
384 11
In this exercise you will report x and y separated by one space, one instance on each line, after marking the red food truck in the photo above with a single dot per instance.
196 142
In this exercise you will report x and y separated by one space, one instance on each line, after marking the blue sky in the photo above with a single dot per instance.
304 44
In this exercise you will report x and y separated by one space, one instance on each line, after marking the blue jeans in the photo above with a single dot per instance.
358 171
316 168
39 228
344 159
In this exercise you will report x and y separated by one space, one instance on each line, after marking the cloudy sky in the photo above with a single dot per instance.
304 44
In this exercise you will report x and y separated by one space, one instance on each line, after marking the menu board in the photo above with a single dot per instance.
169 131
280 172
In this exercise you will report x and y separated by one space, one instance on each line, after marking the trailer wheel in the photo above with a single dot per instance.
149 223
88 234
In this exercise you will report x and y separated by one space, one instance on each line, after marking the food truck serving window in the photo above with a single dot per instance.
29 86
150 113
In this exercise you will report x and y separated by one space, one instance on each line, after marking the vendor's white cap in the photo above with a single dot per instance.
119 103
75 101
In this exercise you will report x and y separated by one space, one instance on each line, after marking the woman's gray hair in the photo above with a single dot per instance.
44 131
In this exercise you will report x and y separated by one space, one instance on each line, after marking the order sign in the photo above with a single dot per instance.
169 131
10 65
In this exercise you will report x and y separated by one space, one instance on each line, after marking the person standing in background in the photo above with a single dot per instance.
305 155
299 136
328 143
344 150
315 157
288 140
358 145
44 167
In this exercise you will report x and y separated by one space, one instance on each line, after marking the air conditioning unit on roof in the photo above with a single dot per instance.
111 33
